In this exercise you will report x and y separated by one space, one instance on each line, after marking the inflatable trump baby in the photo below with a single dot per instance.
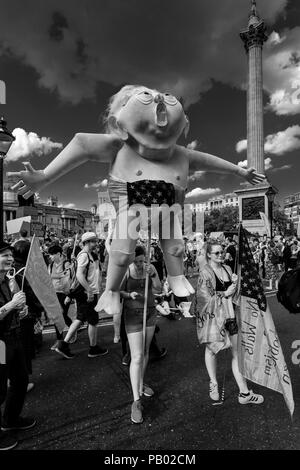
147 169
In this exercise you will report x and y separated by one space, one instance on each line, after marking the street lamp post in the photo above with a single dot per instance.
271 196
6 139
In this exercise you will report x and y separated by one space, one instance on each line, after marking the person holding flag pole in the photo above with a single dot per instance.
216 322
140 283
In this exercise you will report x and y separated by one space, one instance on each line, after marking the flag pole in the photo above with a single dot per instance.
145 304
74 247
26 266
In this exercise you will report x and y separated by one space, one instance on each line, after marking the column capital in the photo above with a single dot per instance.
255 35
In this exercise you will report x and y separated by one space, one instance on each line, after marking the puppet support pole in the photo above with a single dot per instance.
145 306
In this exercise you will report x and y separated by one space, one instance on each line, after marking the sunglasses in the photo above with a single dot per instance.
217 253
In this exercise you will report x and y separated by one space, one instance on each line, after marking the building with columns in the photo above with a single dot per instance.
63 221
292 209
254 200
217 202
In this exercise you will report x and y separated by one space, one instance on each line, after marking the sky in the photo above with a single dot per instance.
61 61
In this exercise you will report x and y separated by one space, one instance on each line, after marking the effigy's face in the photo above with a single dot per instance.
155 120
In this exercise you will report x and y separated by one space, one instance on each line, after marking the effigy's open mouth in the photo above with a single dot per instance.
161 118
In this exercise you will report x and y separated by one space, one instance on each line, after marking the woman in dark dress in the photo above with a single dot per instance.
133 292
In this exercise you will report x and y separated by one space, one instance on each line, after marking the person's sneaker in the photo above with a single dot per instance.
250 398
64 350
54 346
22 424
214 391
73 338
136 412
30 386
7 442
96 351
126 360
160 355
147 391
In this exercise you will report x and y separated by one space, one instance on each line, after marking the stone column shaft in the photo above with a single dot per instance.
255 118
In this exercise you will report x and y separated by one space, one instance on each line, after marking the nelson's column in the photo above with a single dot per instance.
254 200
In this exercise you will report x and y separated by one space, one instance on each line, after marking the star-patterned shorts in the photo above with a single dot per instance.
144 192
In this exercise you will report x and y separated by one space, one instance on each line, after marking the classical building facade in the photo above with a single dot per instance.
51 216
292 208
227 200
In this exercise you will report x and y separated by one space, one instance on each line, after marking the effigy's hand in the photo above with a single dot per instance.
253 177
30 180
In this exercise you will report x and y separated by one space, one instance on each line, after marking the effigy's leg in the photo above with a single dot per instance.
121 254
173 250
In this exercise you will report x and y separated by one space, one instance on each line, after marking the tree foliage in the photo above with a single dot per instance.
222 220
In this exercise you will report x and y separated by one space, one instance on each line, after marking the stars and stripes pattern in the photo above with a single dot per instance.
251 283
148 192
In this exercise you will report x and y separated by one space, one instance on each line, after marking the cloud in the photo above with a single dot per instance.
243 164
284 141
277 144
282 72
99 184
73 48
241 146
28 145
281 168
199 193
193 145
67 206
268 164
196 176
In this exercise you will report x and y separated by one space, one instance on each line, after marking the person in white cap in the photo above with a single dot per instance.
87 291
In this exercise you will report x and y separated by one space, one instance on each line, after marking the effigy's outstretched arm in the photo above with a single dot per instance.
208 162
82 148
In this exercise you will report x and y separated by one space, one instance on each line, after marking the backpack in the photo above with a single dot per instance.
76 289
66 280
289 290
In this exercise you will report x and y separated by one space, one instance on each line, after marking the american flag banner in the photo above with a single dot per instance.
148 192
260 354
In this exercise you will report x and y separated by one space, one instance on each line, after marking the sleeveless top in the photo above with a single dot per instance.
138 285
222 285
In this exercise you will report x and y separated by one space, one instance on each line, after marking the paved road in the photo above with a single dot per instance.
85 403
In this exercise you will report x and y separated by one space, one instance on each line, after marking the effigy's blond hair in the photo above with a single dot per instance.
117 101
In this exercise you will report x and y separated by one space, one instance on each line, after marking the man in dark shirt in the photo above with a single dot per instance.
230 255
12 358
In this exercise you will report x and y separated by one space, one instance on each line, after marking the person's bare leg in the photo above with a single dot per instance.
135 341
149 336
92 333
211 365
72 330
240 380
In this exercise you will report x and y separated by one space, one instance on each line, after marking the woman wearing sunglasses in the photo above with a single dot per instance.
216 324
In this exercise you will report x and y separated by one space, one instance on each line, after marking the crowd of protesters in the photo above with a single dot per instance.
77 268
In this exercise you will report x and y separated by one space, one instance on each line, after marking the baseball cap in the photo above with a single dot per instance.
88 236
5 246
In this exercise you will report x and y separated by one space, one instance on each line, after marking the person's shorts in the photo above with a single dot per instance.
133 319
86 310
